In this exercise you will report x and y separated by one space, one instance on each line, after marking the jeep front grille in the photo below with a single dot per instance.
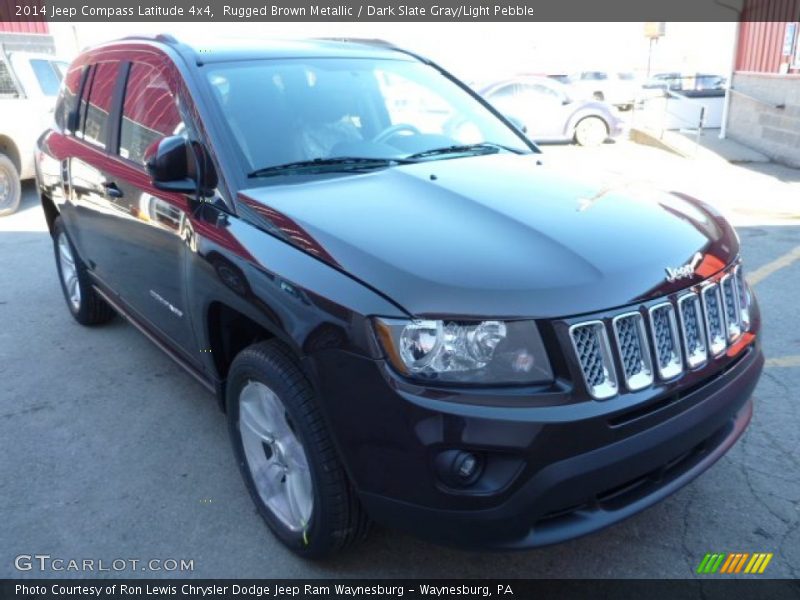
730 299
744 302
634 350
694 335
665 340
594 353
712 306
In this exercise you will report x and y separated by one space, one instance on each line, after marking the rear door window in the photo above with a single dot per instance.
95 106
150 112
539 92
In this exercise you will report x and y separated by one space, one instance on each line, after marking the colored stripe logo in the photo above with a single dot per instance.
734 562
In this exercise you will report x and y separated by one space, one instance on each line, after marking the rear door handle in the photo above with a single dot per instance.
111 189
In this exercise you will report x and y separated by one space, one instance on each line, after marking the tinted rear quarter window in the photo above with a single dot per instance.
541 90
150 112
68 97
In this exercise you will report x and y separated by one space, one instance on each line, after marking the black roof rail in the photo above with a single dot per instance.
355 40
378 43
164 38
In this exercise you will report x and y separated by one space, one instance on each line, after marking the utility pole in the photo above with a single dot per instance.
653 30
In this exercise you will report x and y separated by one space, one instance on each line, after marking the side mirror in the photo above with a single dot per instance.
177 165
516 123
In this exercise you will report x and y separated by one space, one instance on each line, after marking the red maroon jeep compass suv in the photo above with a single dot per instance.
406 316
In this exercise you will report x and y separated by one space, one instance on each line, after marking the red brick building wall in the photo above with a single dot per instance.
762 33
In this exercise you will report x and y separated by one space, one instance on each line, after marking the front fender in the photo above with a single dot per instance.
298 298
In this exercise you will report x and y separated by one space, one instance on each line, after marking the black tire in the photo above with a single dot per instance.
90 309
337 519
10 189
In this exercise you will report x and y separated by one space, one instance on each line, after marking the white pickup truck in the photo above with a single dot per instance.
29 84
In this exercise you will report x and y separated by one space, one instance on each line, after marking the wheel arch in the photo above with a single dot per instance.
580 116
50 210
10 149
228 331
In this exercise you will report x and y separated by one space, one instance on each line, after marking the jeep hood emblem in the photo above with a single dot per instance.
687 270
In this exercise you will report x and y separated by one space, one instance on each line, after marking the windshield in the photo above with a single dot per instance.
284 112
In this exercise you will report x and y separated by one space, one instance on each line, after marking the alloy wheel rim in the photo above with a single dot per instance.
69 273
593 132
275 456
5 188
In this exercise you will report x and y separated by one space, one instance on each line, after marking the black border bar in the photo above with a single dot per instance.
399 10
709 588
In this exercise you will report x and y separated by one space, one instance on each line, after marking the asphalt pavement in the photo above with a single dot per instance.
110 451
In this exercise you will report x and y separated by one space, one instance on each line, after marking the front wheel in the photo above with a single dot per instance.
10 189
84 303
591 131
286 456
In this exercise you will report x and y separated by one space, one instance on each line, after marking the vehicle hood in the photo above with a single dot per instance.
496 235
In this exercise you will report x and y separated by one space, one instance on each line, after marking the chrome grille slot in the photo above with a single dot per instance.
633 349
694 335
590 341
665 339
712 306
744 304
730 302
676 334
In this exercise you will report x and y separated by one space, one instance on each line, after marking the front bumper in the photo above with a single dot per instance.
553 472
619 128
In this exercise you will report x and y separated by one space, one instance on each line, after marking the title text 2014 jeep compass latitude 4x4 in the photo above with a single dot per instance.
406 316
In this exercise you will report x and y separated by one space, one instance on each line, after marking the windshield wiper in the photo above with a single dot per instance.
333 163
473 149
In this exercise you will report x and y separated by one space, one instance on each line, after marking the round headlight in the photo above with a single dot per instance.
484 339
420 342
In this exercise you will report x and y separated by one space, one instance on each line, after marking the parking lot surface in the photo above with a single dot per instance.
111 451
